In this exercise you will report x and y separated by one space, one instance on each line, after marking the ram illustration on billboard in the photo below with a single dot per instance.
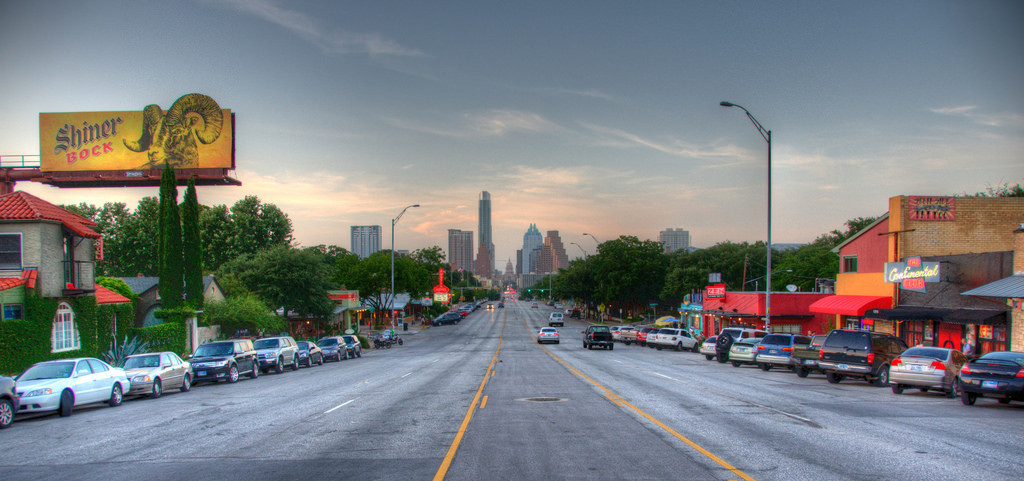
195 133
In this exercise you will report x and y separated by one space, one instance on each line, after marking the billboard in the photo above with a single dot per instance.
194 133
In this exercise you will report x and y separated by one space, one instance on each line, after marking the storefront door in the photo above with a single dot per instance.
950 335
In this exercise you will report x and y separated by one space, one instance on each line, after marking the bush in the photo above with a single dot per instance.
243 312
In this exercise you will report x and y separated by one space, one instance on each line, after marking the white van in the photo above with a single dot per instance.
556 318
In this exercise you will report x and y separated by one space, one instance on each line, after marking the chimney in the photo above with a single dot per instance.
1018 251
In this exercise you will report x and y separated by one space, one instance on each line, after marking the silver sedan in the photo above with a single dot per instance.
151 373
927 368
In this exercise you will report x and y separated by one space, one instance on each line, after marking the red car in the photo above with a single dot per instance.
641 335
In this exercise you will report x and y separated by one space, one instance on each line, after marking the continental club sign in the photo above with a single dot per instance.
195 133
912 274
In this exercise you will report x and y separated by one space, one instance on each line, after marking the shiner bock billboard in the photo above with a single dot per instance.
195 133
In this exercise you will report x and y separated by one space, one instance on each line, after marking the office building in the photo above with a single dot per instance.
674 239
460 249
532 241
484 227
552 255
365 240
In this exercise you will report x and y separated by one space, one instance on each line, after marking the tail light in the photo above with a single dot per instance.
821 354
897 362
871 358
673 338
760 348
938 366
1020 373
787 349
967 370
556 333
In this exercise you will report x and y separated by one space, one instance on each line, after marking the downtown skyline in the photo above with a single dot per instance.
601 118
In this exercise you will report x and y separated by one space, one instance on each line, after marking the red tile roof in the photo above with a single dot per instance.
9 282
23 206
30 276
107 296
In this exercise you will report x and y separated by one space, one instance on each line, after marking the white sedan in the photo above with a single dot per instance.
67 383
547 334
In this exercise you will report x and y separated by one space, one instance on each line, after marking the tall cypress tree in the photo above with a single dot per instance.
192 248
171 275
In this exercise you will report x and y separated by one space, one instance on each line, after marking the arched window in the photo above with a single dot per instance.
65 334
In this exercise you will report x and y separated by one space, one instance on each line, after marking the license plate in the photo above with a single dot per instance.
773 351
914 367
989 384
842 366
808 361
201 373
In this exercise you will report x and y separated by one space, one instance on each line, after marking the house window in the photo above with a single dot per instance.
65 335
849 263
12 311
10 251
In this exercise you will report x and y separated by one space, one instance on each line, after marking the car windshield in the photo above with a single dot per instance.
350 339
930 352
330 341
777 339
142 362
266 344
50 370
303 345
215 349
599 329
851 339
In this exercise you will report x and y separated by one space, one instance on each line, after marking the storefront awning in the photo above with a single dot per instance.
850 305
988 317
1012 286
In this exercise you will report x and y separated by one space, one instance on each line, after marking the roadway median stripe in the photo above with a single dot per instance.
483 403
622 402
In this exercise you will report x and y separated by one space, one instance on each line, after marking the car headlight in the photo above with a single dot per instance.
40 392
145 378
223 363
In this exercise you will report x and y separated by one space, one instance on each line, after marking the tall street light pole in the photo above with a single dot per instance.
393 222
581 248
595 239
767 135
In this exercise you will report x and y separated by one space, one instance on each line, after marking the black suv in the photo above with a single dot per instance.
451 317
218 360
863 354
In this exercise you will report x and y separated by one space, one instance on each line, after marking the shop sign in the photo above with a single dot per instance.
912 274
716 291
441 297
932 208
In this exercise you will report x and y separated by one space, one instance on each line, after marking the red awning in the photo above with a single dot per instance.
850 305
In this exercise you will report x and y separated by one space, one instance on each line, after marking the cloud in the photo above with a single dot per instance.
589 93
673 147
491 123
1005 119
331 42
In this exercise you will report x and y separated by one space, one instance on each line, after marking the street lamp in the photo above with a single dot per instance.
595 239
767 135
393 222
581 248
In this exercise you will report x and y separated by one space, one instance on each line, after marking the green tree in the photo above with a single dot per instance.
295 280
117 285
243 313
171 272
192 247
630 272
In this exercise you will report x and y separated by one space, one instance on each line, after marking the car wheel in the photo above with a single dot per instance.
6 412
968 398
833 377
67 403
882 379
157 389
765 366
801 371
255 371
320 362
954 388
695 348
233 373
186 383
897 389
735 364
359 353
708 357
658 348
295 362
279 367
611 346
115 395
625 342
722 359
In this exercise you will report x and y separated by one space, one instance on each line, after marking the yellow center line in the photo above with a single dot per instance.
615 398
483 403
443 470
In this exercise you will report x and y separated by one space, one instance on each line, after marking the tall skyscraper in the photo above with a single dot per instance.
483 263
552 254
460 249
674 239
484 227
365 240
531 241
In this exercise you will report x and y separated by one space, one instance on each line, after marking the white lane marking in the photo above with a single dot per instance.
406 374
435 360
784 413
339 406
664 376
618 361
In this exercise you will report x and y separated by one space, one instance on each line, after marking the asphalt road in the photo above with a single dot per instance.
482 401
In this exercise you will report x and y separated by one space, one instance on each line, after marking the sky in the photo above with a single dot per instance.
578 116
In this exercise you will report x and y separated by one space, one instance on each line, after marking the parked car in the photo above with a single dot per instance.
448 318
275 352
643 333
927 368
547 334
599 336
333 347
154 372
628 335
744 351
501 305
352 346
310 353
618 330
678 339
997 374
805 356
69 383
864 354
8 401
776 350
218 360
709 349
726 337
556 318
